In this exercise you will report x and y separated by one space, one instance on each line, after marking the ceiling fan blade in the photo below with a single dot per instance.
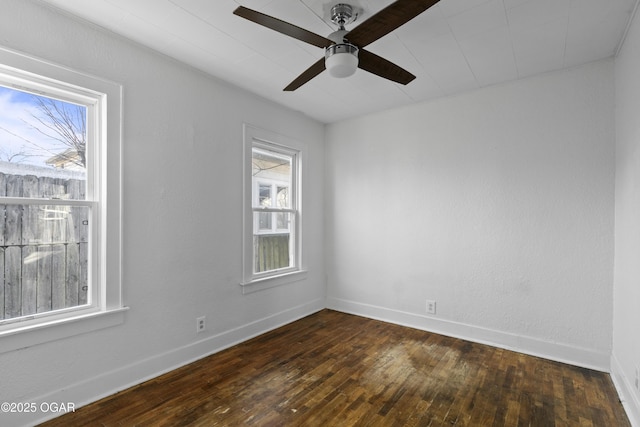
310 73
282 27
381 67
388 19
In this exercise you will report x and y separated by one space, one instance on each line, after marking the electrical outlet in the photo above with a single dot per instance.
201 324
431 307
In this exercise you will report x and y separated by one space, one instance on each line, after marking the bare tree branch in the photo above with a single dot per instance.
9 156
35 145
258 168
65 123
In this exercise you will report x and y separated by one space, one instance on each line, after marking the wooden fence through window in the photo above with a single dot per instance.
43 248
271 251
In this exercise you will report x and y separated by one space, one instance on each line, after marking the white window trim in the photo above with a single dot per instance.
107 308
254 282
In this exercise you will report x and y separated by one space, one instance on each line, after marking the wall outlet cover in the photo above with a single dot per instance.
431 307
201 324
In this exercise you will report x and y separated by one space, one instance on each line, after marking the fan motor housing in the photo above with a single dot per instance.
341 48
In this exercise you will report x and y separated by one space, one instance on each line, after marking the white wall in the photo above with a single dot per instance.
182 198
498 204
626 320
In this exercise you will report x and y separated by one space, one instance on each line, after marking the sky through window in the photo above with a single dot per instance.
34 129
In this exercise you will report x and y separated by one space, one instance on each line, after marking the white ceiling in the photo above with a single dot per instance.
455 46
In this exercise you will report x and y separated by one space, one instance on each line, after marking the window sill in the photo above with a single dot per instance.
42 332
272 281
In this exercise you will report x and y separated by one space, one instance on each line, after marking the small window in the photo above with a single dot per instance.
272 195
57 260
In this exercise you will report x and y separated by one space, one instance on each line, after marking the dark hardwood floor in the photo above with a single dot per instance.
335 369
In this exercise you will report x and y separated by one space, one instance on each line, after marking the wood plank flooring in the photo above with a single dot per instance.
335 369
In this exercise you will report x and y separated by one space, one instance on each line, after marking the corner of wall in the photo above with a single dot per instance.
625 391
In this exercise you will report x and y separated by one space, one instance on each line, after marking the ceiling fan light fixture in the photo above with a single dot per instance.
341 57
341 60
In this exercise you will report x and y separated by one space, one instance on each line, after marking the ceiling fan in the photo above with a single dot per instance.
344 50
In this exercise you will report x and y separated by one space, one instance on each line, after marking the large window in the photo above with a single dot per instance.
46 207
59 235
272 207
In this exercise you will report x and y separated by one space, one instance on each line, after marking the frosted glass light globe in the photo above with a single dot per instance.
341 60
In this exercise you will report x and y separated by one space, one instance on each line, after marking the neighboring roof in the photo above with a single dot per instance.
68 159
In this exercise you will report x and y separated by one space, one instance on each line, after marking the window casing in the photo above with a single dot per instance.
272 225
61 239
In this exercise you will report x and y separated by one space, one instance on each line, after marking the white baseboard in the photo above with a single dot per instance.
553 351
628 397
108 383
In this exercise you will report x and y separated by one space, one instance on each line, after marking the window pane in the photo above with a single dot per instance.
271 251
282 197
43 259
282 220
264 196
264 200
42 146
270 167
264 220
